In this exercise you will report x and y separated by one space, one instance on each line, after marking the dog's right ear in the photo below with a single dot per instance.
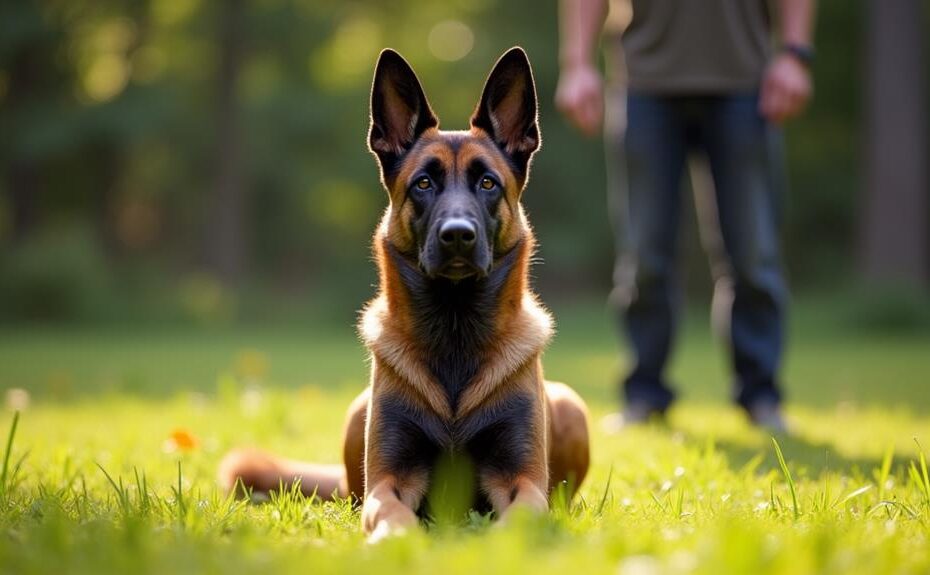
399 110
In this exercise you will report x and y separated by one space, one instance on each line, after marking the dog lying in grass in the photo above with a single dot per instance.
457 396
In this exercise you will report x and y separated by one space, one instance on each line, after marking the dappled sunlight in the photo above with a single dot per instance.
172 12
106 77
451 40
107 70
340 206
346 59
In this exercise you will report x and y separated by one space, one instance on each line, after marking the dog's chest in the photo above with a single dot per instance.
453 372
455 324
496 437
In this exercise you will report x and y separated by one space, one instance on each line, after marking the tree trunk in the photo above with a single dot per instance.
22 173
225 216
894 242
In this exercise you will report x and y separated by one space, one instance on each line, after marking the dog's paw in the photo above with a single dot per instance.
383 530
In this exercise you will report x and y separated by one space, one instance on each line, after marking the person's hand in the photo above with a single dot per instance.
580 96
786 89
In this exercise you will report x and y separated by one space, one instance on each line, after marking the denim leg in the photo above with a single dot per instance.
746 161
645 280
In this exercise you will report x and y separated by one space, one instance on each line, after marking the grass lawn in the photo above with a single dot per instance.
120 442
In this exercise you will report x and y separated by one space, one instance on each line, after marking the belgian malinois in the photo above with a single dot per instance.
455 334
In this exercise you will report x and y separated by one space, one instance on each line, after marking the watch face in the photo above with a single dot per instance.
802 53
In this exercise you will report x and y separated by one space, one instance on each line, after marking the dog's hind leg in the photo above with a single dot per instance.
261 472
353 445
569 452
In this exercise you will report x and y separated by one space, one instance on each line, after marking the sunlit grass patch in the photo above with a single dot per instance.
120 477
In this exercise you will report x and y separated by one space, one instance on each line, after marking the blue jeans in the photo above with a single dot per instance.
745 158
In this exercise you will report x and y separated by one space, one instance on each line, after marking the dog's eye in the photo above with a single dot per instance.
424 183
487 184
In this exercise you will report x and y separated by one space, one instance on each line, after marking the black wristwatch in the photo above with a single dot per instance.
803 53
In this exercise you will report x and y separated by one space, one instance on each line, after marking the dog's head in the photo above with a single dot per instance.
454 195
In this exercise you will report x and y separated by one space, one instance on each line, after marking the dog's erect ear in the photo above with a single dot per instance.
507 109
399 110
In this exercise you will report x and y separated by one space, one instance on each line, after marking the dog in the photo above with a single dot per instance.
455 333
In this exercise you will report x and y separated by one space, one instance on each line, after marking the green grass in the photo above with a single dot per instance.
92 485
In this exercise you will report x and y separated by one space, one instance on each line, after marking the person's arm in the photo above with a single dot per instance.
787 85
580 93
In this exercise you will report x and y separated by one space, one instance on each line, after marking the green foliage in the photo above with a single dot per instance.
59 275
890 310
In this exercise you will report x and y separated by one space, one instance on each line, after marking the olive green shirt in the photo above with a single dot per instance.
697 46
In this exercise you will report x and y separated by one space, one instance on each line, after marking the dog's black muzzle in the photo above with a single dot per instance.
458 248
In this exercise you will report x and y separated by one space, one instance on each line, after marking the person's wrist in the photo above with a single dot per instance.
802 53
575 64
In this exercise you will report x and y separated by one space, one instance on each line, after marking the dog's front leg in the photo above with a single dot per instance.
385 511
396 457
523 491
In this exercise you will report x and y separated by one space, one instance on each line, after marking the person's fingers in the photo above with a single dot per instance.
801 98
782 106
794 102
576 115
581 109
580 99
586 112
785 91
566 101
765 97
587 122
795 96
580 121
776 103
592 113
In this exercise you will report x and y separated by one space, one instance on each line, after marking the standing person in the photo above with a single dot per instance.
702 75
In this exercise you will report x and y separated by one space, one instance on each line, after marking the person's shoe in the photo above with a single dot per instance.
767 416
633 414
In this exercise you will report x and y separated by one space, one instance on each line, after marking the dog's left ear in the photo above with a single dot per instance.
507 109
399 110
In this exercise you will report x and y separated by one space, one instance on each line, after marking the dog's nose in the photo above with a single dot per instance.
457 235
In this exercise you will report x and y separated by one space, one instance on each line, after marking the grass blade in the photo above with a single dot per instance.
9 450
788 478
179 497
921 478
853 495
603 502
885 471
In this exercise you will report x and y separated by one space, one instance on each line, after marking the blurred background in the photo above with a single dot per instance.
186 160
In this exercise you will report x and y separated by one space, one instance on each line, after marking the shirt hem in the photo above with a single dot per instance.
703 85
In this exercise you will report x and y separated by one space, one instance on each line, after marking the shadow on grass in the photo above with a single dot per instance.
808 458
850 443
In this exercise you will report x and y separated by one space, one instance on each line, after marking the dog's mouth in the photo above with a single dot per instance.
459 268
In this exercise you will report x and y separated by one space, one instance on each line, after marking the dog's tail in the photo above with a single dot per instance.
252 470
256 471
